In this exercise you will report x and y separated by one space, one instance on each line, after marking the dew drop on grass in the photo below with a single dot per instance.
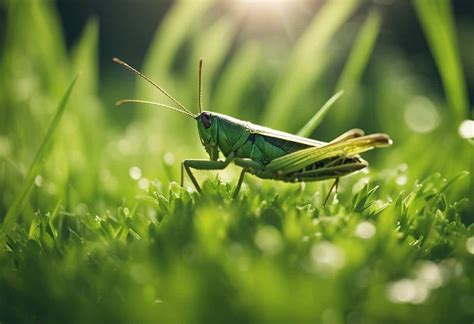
327 256
268 240
135 173
421 115
39 181
144 183
407 291
365 230
430 274
470 245
401 180
466 129
168 158
451 268
403 167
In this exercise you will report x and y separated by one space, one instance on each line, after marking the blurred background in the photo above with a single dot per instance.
278 22
84 201
407 68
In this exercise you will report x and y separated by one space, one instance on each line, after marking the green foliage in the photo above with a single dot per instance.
311 125
354 67
102 232
35 168
360 54
306 62
261 258
437 21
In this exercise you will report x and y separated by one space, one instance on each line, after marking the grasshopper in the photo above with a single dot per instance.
265 152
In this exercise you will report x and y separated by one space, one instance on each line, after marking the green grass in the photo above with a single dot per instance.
95 228
269 255
436 19
20 199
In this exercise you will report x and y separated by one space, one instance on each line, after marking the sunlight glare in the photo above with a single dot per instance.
269 16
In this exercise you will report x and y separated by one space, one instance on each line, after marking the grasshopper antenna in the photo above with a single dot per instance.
200 85
124 101
183 109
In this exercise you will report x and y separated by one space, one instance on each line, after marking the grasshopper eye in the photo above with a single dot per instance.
206 119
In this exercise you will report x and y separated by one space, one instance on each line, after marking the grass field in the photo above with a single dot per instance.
95 227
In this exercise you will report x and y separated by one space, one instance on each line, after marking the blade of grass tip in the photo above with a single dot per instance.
437 21
212 44
319 116
453 179
55 229
356 64
20 199
177 25
306 62
85 58
361 51
45 40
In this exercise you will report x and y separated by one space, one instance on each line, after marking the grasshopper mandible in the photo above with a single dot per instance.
265 152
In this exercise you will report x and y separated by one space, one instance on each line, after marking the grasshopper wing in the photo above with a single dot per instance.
300 159
268 132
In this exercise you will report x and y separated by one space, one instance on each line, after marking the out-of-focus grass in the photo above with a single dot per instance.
305 64
270 255
356 63
437 21
20 200
318 117
107 235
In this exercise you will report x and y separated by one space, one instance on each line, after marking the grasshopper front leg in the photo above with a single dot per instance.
247 165
202 165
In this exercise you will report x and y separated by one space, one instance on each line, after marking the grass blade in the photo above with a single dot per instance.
354 68
212 44
19 201
178 28
361 51
306 62
319 116
175 28
437 20
85 59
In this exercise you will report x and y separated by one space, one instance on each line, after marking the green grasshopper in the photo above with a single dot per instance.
265 152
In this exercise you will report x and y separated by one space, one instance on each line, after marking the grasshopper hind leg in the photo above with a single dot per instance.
326 170
334 186
239 184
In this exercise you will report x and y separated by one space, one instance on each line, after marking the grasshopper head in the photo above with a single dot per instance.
207 128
